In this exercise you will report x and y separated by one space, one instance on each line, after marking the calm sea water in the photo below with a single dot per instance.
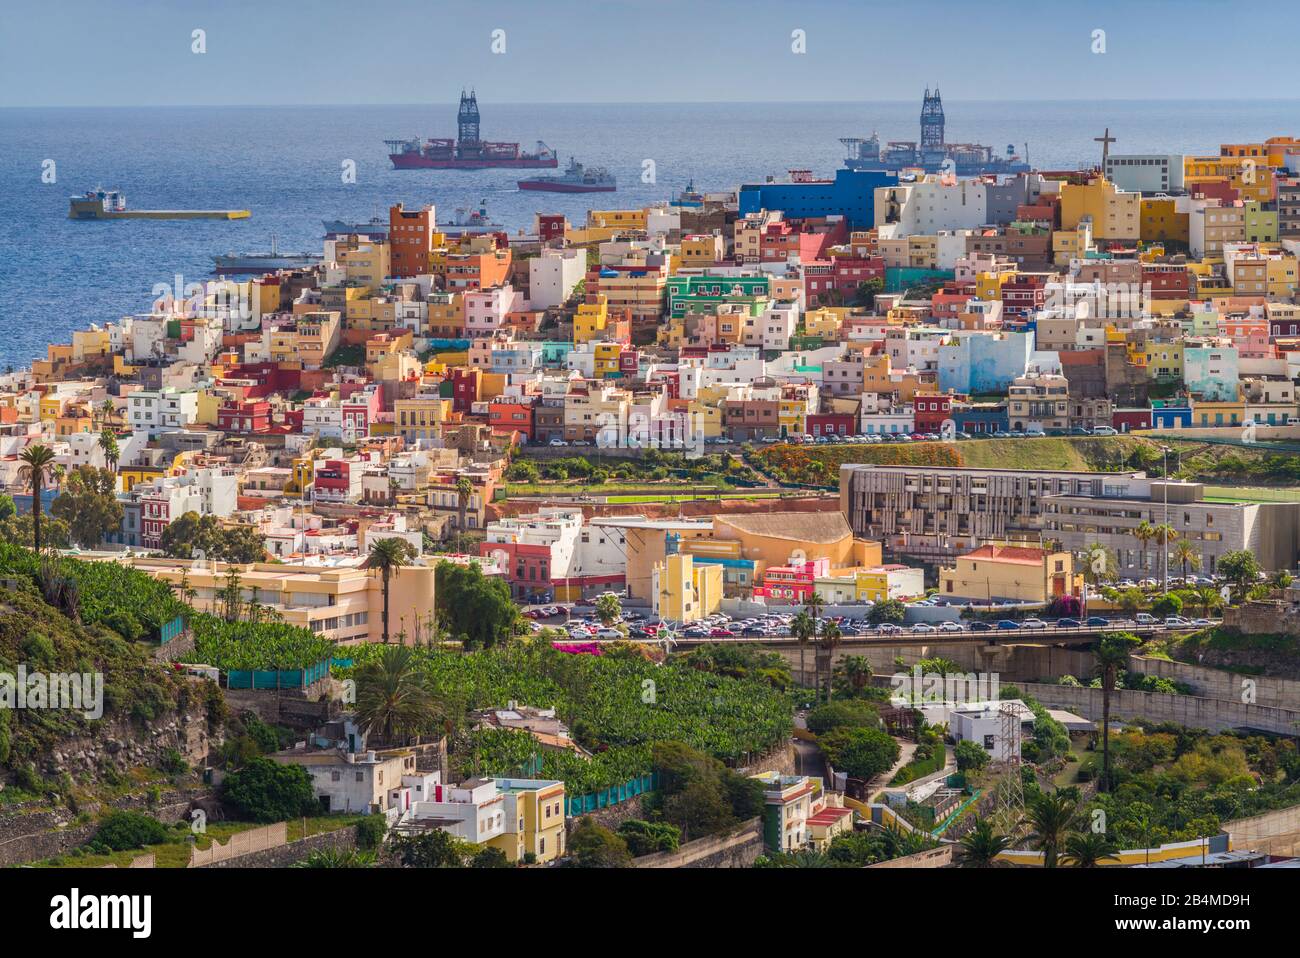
284 164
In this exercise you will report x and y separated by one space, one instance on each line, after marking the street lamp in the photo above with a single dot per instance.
1164 532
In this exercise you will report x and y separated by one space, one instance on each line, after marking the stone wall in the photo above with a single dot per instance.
780 759
611 816
941 857
289 707
1277 833
29 836
1221 684
1216 715
283 856
738 849
1266 617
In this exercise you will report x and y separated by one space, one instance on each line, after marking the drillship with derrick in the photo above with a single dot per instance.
467 151
932 154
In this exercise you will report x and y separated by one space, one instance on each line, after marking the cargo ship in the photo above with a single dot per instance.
467 151
931 154
689 196
264 262
574 179
470 221
102 204
375 228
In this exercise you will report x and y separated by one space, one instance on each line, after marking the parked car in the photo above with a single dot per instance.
1105 431
557 442
889 628
1201 623
721 634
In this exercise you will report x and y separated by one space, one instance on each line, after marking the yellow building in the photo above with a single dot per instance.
367 265
591 320
420 418
341 604
1161 221
316 336
617 219
1115 214
1226 413
702 250
1010 573
683 592
446 319
988 286
825 323
534 815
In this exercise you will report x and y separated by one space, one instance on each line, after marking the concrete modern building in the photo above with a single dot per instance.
940 512
1146 172
1109 516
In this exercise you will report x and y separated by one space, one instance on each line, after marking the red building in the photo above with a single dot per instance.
931 409
551 226
1024 293
465 388
526 567
831 424
1127 420
251 416
1167 280
332 481
512 415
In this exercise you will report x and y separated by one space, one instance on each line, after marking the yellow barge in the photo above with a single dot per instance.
111 205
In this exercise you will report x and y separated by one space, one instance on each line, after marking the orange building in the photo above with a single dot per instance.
410 234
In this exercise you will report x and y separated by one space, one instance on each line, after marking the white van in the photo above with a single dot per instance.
1145 618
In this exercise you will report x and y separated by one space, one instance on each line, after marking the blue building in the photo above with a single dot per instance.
852 194
1171 414
982 419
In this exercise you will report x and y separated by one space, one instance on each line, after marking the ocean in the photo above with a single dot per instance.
285 164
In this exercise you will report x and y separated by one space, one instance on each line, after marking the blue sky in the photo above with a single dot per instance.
138 52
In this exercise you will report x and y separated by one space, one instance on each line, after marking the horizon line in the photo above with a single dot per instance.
372 103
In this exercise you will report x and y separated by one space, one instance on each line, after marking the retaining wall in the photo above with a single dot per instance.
1216 715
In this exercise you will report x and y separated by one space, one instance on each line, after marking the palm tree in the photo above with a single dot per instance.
464 491
1209 598
37 467
1111 652
387 555
802 628
1144 533
831 636
980 847
1050 818
1089 849
1186 555
393 699
857 671
813 606
108 443
107 410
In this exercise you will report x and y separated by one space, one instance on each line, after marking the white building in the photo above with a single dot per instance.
1146 172
153 411
486 309
553 274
